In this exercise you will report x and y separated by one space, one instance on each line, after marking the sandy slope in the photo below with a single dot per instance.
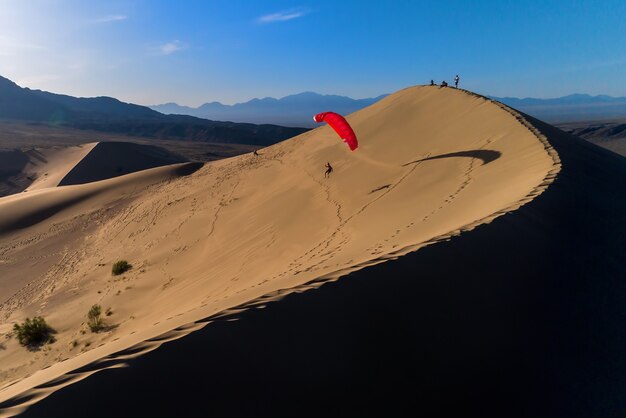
432 162
49 167
113 159
521 317
41 168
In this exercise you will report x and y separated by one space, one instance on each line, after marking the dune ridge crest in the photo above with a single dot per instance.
40 168
436 163
112 159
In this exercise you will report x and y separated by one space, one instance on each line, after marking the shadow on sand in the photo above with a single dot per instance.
485 155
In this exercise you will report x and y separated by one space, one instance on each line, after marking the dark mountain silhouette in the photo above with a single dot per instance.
100 107
107 114
297 109
172 121
293 110
17 103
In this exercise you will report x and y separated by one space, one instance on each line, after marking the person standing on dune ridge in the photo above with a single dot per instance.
456 81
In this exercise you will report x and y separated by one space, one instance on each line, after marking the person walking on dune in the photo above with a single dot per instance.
329 169
456 81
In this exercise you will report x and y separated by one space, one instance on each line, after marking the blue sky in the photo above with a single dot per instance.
191 52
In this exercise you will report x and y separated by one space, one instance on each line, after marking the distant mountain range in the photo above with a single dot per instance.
293 110
253 122
297 109
17 103
572 108
110 115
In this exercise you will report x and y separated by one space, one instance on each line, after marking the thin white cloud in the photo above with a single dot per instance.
281 16
171 47
110 18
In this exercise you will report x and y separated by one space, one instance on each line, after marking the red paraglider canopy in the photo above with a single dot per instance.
340 125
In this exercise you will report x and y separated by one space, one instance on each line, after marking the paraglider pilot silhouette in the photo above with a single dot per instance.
329 169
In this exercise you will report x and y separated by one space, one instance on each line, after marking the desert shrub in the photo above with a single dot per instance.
33 333
95 321
120 267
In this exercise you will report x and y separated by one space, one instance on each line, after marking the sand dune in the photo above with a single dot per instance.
241 232
112 159
521 317
38 168
55 221
41 168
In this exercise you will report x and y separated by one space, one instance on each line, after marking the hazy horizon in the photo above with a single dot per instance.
208 101
362 98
